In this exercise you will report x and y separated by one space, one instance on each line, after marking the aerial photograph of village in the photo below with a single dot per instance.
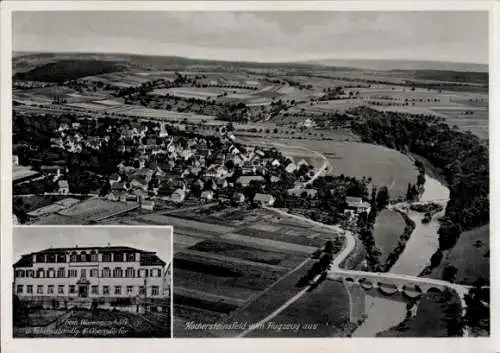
325 174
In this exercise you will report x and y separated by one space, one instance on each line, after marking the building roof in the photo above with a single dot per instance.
356 202
246 179
263 197
298 192
147 257
150 259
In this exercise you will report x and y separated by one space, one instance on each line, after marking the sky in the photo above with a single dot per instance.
260 36
32 239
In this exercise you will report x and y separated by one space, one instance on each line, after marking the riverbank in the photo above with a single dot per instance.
383 313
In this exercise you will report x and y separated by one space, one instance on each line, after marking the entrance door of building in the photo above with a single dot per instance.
83 291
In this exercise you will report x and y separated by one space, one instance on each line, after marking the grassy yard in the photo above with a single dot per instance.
388 228
470 256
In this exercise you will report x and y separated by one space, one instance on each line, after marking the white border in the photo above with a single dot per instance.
301 345
7 301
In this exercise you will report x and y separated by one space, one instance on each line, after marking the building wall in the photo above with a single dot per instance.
83 270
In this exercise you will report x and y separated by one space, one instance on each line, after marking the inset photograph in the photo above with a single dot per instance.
92 281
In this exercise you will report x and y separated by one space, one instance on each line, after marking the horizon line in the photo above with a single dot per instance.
305 61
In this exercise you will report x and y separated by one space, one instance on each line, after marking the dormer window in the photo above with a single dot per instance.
118 257
93 256
130 257
73 257
61 258
83 256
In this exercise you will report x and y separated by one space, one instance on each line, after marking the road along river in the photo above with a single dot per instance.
383 313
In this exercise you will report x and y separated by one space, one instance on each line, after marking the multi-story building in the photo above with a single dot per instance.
91 273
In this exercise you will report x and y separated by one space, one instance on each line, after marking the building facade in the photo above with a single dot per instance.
91 273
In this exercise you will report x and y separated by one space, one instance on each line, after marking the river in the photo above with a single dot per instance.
383 313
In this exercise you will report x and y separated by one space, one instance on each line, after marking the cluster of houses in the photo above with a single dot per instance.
170 168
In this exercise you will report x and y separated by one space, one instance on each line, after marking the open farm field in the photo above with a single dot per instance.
322 312
267 301
387 230
108 102
183 241
470 256
48 92
301 237
209 283
88 211
268 243
247 253
119 79
338 105
138 111
385 166
87 106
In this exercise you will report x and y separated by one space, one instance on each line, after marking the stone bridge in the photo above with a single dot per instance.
392 283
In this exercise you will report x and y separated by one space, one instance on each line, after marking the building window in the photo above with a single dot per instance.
94 290
61 272
39 289
61 258
130 257
60 289
83 273
143 272
51 273
40 258
73 257
94 272
29 289
118 290
50 289
72 289
51 258
117 272
155 290
105 290
40 273
19 289
118 257
130 289
106 272
83 257
72 273
106 257
93 256
30 273
130 272
141 290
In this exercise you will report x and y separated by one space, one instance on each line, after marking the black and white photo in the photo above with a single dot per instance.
92 282
326 172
